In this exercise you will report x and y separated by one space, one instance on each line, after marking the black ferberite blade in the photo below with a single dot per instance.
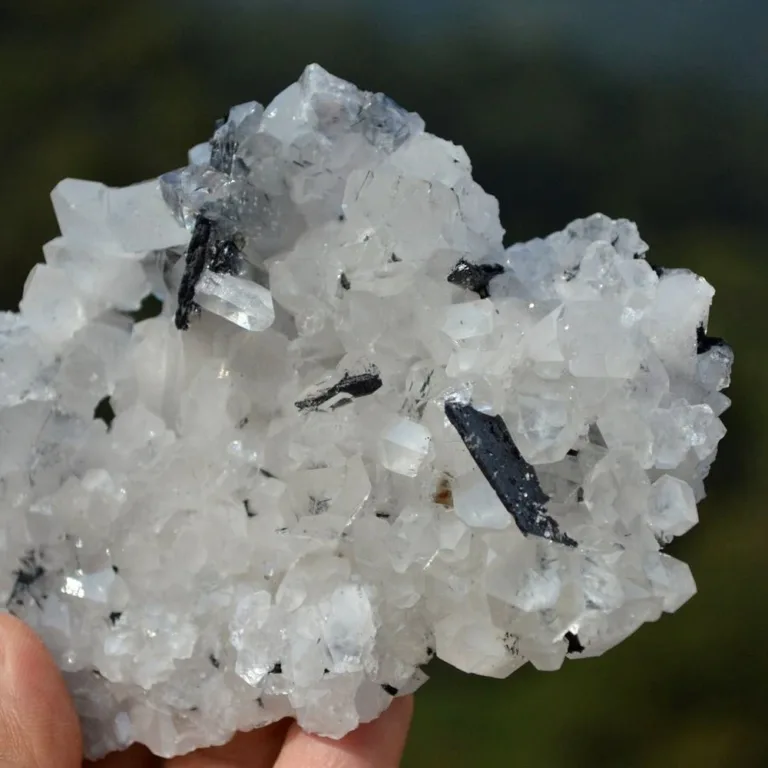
352 384
491 446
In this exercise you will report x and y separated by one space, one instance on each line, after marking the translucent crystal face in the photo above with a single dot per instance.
360 432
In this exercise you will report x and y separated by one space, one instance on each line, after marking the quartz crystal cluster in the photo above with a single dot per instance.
355 433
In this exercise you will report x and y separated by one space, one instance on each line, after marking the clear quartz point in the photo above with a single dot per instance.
237 299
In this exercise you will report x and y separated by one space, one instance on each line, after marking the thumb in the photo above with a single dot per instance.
38 724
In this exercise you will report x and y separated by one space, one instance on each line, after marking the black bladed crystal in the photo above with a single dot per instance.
198 255
512 478
353 384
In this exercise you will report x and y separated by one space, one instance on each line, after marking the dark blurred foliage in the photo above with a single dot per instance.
117 91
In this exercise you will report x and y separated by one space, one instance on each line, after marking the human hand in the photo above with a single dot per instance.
39 727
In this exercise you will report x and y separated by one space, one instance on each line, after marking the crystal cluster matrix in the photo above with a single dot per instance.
356 432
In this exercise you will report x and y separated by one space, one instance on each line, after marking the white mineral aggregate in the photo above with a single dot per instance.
138 219
280 519
132 219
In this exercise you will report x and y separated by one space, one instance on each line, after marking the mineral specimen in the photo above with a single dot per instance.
359 431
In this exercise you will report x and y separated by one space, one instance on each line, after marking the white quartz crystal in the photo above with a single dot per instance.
360 431
404 446
240 301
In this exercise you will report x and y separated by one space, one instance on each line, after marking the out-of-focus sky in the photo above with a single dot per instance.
725 39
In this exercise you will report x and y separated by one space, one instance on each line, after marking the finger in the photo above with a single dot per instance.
378 744
38 724
255 749
137 756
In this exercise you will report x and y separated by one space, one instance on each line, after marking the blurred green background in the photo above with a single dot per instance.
656 110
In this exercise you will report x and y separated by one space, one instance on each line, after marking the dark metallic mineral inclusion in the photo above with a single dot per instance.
491 446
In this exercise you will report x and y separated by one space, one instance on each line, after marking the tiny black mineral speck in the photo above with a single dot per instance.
318 506
510 643
27 574
390 689
114 617
224 258
277 669
574 644
215 663
474 277
570 274
104 411
704 343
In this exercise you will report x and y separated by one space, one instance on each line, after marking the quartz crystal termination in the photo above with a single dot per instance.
358 433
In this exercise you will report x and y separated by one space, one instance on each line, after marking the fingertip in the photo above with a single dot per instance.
388 732
136 756
378 744
38 723
258 748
